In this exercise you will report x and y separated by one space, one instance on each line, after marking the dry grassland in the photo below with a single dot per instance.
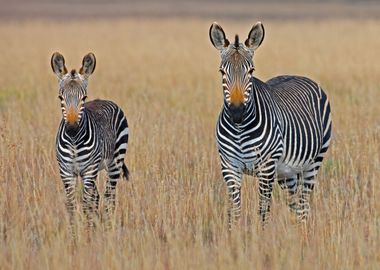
171 215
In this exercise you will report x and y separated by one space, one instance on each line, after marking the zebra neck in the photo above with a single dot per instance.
76 133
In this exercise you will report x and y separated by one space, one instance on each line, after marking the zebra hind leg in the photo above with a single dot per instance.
90 201
114 171
290 184
307 182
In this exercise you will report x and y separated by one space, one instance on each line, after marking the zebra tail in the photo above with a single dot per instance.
125 172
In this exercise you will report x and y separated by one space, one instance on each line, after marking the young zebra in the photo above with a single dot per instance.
92 136
279 129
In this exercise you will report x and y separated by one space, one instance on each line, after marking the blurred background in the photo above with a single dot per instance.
270 9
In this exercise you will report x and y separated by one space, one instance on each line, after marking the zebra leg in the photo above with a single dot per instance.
90 200
290 184
69 184
307 186
233 180
266 179
114 173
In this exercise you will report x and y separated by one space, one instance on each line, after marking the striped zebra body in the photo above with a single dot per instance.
277 130
92 136
100 141
278 126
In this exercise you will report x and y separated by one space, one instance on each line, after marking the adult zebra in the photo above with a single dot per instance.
279 129
92 136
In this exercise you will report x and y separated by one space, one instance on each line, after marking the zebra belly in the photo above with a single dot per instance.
104 164
282 170
287 171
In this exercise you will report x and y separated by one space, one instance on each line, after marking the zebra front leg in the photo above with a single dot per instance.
69 185
90 201
266 177
233 180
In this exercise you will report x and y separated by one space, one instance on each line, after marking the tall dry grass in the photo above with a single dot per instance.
171 215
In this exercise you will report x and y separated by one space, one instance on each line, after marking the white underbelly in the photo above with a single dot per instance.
287 171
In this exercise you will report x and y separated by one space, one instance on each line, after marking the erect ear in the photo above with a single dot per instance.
217 37
88 65
58 64
255 36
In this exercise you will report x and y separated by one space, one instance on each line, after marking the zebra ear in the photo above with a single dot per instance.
255 36
58 64
88 65
218 37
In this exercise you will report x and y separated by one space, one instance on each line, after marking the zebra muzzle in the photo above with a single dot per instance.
237 113
71 129
72 117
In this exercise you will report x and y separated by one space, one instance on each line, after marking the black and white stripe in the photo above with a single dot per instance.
279 129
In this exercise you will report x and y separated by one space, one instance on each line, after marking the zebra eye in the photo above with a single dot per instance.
60 98
250 71
222 71
84 98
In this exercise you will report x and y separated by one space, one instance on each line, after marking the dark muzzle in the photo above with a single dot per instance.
71 129
237 113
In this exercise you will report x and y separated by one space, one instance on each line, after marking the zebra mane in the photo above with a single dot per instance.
72 73
236 44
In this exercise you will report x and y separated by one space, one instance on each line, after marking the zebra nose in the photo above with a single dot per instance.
72 116
237 113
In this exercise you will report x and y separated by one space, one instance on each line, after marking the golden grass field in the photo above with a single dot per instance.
171 214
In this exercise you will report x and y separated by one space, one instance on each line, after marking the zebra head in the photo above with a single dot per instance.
72 87
236 67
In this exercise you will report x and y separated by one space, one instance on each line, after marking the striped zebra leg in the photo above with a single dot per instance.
69 185
290 184
90 200
114 173
233 180
307 186
266 179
